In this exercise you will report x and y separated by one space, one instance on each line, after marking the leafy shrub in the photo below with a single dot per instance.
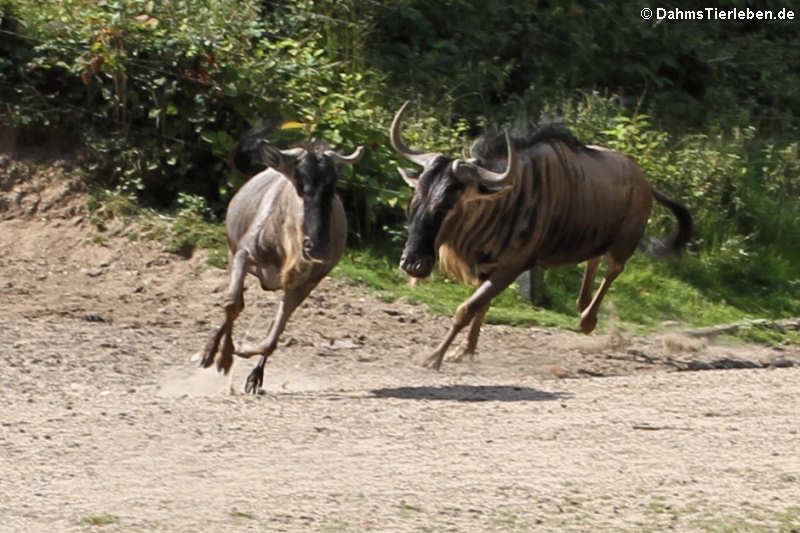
161 90
157 93
193 227
699 74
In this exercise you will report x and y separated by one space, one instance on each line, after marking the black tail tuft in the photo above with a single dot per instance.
676 242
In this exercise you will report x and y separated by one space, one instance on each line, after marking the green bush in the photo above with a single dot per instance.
155 94
699 74
161 90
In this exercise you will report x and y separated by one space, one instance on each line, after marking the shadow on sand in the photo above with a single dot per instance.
472 393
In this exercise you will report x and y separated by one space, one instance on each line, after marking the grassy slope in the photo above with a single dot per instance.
698 290
647 294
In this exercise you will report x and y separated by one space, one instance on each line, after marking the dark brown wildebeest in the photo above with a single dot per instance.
287 227
546 200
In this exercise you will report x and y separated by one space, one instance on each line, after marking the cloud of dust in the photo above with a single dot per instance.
193 382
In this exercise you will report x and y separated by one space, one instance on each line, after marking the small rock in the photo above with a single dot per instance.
726 364
698 365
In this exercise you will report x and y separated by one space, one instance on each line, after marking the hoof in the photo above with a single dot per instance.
461 354
211 347
225 359
588 325
433 362
254 380
207 358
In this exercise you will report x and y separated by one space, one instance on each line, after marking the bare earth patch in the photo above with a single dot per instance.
106 424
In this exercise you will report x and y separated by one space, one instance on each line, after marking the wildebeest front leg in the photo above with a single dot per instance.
233 305
465 313
589 315
291 299
470 343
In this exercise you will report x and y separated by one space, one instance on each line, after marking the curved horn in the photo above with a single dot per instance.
458 168
493 180
420 158
345 159
409 176
293 153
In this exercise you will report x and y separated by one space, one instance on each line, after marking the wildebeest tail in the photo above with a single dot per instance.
675 243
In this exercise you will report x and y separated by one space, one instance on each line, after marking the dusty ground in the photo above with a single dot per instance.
106 424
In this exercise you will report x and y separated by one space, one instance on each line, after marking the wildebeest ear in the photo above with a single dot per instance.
283 161
270 154
467 173
409 176
479 191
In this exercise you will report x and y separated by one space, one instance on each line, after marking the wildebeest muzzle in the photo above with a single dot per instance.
314 250
415 265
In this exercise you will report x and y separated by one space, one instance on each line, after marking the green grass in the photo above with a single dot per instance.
188 228
648 293
439 294
750 519
99 520
760 521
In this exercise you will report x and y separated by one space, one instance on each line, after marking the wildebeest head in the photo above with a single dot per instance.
314 175
442 183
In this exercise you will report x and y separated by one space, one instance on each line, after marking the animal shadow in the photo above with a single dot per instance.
471 393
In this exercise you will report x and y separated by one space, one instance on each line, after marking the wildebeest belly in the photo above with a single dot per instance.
267 271
559 243
569 247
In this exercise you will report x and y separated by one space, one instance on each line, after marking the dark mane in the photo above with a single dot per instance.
247 155
492 144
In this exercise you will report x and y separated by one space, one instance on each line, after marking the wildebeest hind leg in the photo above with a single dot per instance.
291 299
481 298
233 305
470 343
589 315
585 296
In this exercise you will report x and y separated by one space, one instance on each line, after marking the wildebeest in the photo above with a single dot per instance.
545 200
287 227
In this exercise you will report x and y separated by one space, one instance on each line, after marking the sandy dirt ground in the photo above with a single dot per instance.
107 425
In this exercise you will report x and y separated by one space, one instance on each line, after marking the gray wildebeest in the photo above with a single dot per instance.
287 227
545 200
